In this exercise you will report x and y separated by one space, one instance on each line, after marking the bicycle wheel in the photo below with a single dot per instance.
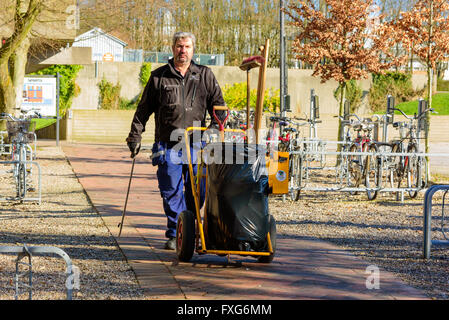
414 172
397 167
372 173
295 176
354 171
21 181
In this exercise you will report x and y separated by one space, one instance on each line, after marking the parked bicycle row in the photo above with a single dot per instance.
18 152
362 162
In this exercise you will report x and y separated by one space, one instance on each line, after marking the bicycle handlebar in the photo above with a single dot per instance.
285 121
403 113
425 111
415 117
8 115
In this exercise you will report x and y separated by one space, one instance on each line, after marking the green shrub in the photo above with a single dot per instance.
354 94
235 97
128 104
109 95
145 73
396 84
272 100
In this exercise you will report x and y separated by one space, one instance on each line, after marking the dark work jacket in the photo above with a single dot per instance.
176 101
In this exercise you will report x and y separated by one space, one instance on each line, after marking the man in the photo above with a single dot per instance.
179 94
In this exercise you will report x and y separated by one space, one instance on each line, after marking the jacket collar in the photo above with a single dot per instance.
193 68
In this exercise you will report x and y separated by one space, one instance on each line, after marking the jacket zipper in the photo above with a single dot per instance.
183 103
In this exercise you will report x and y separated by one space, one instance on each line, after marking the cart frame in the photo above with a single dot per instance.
195 181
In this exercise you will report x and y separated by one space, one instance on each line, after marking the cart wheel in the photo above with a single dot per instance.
268 259
185 236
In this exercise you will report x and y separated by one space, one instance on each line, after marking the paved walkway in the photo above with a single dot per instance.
302 269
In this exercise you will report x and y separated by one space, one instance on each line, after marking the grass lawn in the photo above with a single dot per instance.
42 123
440 103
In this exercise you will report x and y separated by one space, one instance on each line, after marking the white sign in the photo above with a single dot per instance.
39 94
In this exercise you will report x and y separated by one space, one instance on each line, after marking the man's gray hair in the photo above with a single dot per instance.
183 35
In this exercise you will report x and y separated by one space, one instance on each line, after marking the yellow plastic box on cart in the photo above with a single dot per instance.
278 172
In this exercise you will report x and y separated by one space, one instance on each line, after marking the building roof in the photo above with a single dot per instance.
96 32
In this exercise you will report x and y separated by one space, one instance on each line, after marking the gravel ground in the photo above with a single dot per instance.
65 219
384 232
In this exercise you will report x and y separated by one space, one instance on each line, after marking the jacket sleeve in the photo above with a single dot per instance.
145 109
214 97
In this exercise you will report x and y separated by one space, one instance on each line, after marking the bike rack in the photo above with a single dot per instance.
427 228
400 191
25 251
39 197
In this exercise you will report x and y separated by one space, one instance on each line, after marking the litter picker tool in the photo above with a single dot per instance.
120 225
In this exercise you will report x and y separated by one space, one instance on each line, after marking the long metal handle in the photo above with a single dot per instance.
127 194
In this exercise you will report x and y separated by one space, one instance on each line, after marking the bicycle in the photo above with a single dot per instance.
20 133
363 167
237 120
408 166
313 144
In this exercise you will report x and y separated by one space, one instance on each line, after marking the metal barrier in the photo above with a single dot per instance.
25 198
25 251
428 242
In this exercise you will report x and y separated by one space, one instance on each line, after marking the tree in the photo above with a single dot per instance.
391 9
24 22
425 29
234 27
347 43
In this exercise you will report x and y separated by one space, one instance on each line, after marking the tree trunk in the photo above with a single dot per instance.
340 113
7 94
18 63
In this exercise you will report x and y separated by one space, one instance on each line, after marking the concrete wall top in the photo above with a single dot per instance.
300 82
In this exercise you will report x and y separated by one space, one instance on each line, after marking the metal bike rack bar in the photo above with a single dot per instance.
427 229
29 252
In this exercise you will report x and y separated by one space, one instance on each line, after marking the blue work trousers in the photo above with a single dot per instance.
174 183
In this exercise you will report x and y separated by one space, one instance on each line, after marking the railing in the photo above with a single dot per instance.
25 251
428 242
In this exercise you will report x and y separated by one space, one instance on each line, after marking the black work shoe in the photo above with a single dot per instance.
171 244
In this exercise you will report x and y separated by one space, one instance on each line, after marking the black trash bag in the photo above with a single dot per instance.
236 212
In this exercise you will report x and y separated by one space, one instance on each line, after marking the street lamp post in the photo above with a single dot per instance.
282 59
285 102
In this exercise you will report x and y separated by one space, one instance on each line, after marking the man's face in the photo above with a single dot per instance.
183 51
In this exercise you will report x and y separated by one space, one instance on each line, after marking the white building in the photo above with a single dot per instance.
105 47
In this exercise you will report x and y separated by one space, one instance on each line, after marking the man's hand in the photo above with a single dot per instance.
134 147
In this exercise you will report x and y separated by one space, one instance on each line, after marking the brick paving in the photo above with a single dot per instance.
302 268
